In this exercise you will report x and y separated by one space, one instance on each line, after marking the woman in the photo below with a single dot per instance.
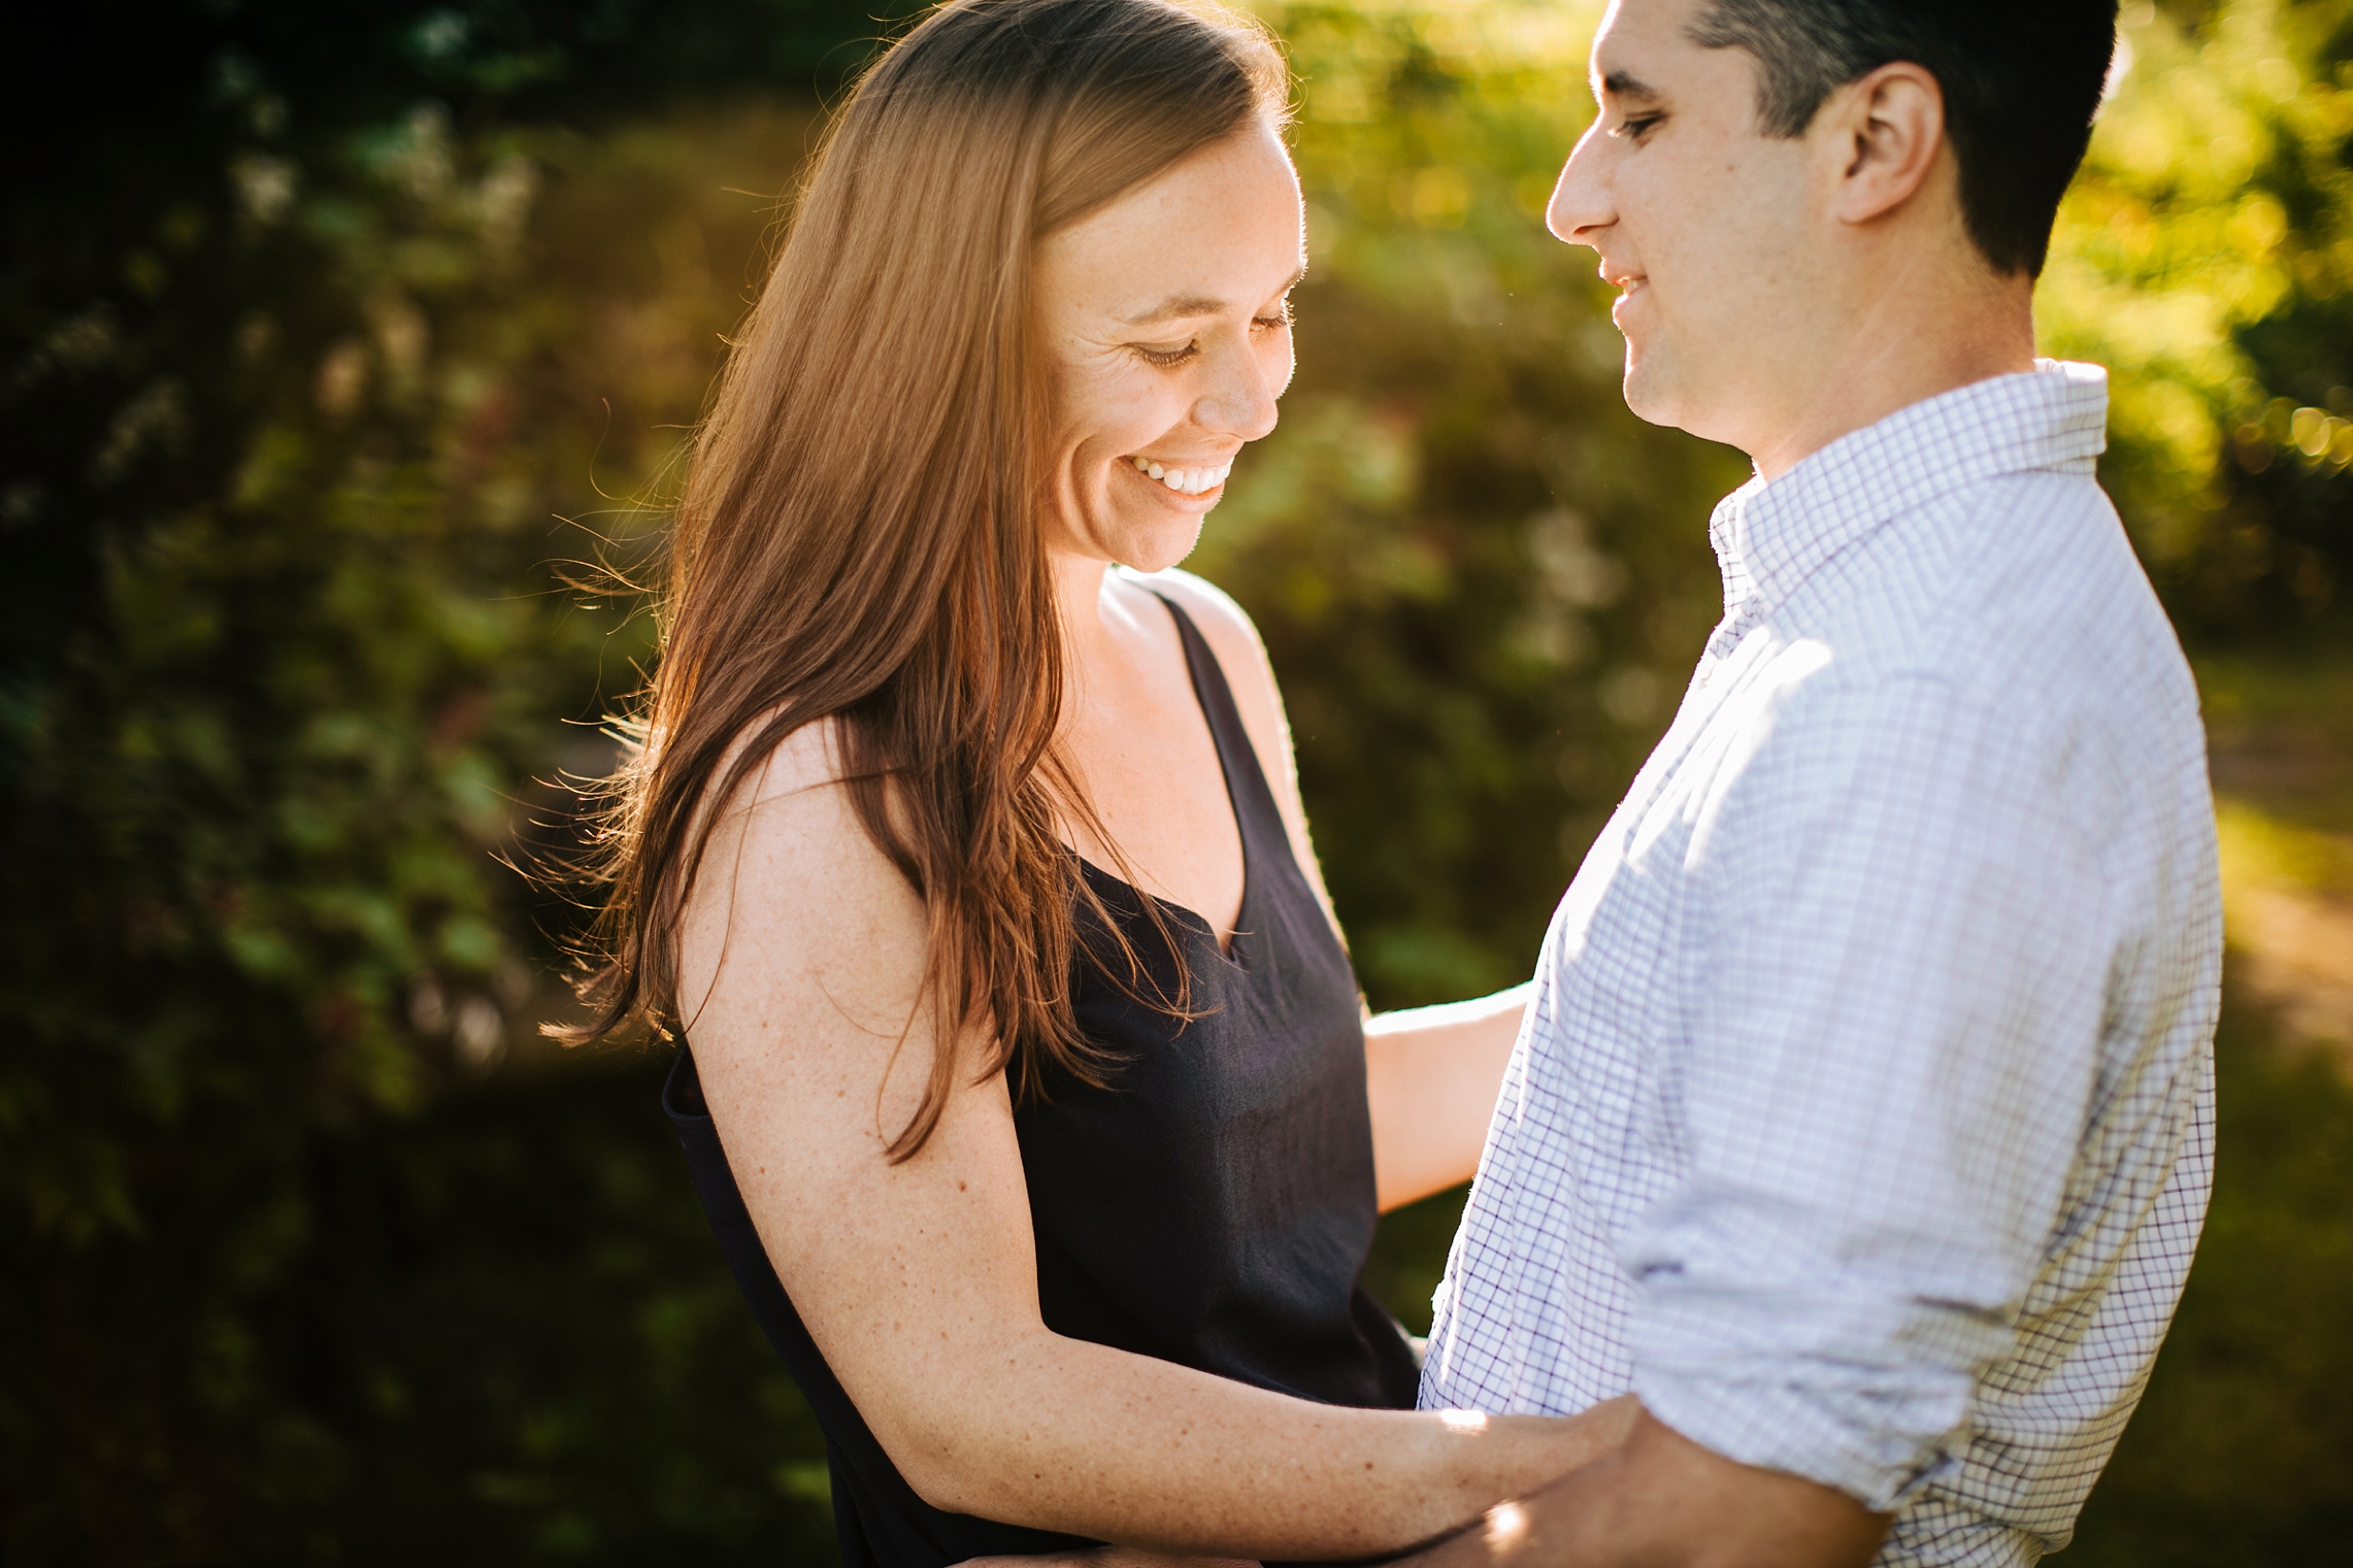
1029 1088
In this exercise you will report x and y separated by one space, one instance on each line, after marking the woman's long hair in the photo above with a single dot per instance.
860 537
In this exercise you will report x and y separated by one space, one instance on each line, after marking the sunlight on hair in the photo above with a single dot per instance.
1507 1526
2120 67
1463 1421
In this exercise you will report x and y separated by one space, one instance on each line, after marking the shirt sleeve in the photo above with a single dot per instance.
1898 971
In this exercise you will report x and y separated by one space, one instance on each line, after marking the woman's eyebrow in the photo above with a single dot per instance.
1175 308
1181 306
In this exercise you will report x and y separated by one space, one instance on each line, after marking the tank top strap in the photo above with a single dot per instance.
1245 781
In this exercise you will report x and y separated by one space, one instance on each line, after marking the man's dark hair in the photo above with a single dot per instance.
2020 84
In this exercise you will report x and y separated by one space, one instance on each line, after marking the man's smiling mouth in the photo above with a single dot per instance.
1627 284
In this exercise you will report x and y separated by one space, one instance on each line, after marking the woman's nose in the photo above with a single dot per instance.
1240 398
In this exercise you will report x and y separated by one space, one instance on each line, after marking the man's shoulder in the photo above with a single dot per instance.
2021 591
2053 601
2003 632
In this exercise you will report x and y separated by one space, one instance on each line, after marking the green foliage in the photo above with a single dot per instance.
315 324
2238 1452
1458 544
493 1333
320 322
2205 254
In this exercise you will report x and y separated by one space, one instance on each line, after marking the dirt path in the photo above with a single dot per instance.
2282 748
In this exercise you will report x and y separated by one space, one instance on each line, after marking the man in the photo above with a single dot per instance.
1862 1124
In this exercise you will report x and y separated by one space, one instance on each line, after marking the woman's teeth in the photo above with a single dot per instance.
1184 481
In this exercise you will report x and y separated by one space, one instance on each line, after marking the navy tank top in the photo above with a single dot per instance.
1211 1205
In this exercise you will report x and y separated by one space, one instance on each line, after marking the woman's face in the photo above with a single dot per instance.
1165 323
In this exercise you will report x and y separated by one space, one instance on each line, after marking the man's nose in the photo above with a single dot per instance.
1580 207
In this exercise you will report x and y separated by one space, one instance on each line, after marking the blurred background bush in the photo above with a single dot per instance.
328 335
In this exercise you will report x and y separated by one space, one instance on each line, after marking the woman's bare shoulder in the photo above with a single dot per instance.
807 760
1224 624
794 907
1249 674
786 825
1202 600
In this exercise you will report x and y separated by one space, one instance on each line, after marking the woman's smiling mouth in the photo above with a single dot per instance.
1194 481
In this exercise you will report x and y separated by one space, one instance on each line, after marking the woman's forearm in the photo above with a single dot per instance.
1063 1435
918 1280
1433 1074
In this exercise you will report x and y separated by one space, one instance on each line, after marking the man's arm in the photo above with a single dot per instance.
1895 967
1658 1501
1897 970
1665 1501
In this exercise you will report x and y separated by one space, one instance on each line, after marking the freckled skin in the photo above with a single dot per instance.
1159 319
1166 329
1180 237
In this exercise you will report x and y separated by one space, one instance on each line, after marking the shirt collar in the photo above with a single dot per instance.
1770 537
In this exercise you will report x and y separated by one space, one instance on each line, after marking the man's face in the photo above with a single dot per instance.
1704 225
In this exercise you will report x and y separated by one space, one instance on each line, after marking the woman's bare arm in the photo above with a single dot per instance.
1432 1075
919 1283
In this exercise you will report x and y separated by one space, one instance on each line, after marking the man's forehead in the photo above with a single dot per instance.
1635 51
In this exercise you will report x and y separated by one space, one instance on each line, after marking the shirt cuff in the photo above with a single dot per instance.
1880 1433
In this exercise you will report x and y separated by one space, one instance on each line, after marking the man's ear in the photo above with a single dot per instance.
1886 130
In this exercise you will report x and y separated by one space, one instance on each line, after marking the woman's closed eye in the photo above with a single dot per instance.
1167 358
1636 126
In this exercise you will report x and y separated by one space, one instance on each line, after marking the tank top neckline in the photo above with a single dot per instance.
1215 698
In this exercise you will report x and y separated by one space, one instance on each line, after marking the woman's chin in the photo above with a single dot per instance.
1158 545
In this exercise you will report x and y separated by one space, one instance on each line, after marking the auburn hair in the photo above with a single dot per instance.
859 538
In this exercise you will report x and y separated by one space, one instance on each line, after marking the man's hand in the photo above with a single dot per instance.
1665 1501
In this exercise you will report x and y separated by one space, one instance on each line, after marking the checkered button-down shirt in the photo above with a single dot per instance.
1863 1121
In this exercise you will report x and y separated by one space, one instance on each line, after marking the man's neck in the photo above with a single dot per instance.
1906 347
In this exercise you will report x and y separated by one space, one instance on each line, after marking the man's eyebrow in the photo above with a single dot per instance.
1620 84
1180 306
